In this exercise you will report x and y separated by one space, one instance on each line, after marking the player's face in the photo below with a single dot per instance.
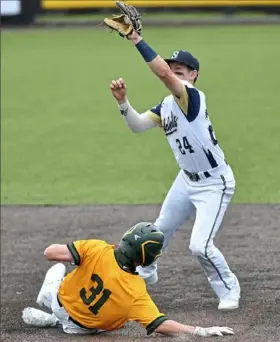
183 72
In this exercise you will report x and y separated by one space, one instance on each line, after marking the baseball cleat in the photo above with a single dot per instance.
228 305
52 280
231 300
38 318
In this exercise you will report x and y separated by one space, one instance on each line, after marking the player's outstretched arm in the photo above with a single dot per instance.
170 327
128 24
145 311
158 65
135 121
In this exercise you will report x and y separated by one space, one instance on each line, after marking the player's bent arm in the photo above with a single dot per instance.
158 66
58 253
135 121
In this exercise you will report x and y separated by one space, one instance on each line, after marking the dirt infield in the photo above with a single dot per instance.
250 240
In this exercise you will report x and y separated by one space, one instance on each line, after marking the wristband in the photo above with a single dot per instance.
146 51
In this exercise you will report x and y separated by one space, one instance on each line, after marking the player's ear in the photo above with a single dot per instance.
194 75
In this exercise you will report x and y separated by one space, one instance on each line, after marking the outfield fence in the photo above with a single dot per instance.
83 4
25 11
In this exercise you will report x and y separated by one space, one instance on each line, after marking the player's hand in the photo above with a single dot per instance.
213 331
118 88
134 36
126 22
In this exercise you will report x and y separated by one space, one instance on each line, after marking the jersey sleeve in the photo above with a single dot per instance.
189 102
183 101
146 313
155 114
81 249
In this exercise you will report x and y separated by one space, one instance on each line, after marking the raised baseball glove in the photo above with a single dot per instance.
125 23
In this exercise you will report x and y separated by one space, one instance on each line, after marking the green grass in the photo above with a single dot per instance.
64 141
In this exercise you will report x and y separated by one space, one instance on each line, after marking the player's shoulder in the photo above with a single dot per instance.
189 85
139 286
137 283
194 94
93 244
101 244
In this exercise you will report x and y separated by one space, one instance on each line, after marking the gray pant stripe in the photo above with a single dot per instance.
218 213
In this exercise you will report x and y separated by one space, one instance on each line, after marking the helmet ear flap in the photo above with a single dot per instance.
151 251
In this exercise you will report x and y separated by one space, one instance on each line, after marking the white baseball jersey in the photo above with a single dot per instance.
189 130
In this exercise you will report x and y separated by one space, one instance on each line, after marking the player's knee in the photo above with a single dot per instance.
165 223
197 248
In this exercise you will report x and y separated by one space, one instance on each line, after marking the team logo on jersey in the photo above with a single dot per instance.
170 124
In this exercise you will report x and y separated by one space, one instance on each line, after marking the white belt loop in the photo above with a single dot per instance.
202 175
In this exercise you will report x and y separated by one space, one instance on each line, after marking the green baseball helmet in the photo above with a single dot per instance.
142 243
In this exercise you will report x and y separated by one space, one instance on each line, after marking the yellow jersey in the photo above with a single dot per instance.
100 294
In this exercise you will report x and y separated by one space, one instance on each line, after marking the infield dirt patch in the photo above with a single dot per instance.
249 239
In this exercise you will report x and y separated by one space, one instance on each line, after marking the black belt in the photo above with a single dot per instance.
195 176
72 319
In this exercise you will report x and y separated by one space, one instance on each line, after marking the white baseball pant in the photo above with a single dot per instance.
208 199
50 287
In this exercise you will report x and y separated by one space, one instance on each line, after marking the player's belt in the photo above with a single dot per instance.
195 177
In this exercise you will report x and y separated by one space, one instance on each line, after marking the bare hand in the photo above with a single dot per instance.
118 89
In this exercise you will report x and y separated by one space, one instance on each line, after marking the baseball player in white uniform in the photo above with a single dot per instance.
205 182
